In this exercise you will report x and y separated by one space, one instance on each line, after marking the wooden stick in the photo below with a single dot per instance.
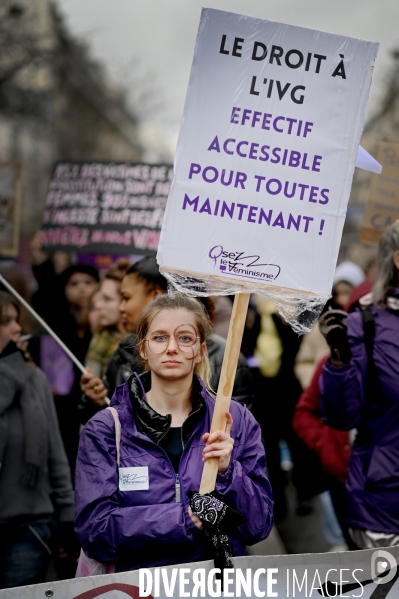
46 327
226 383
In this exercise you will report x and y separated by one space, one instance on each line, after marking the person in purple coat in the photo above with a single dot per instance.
141 516
360 390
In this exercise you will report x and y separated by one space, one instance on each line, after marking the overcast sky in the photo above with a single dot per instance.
154 39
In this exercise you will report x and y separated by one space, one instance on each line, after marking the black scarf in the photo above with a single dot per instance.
217 519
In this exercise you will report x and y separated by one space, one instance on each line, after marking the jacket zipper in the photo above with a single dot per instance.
177 477
178 485
177 489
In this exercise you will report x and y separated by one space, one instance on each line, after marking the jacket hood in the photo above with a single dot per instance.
392 300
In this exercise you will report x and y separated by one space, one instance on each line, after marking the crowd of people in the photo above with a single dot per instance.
79 453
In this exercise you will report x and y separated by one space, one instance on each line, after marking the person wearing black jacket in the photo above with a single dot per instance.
142 283
35 479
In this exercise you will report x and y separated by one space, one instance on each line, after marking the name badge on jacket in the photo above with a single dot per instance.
134 479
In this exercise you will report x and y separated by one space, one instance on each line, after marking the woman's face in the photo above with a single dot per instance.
9 328
342 293
95 312
161 349
109 303
78 289
135 296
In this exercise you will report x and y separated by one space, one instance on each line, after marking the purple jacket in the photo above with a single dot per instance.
373 477
144 528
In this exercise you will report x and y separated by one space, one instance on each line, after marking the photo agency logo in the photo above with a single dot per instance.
240 264
384 573
384 568
305 582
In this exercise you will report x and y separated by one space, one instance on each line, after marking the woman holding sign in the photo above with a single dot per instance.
139 515
360 389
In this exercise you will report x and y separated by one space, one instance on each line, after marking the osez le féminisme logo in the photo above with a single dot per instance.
242 264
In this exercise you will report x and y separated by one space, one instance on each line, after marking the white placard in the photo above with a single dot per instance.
266 153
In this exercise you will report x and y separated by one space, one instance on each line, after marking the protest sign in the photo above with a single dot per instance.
101 207
368 574
263 171
10 207
382 207
265 159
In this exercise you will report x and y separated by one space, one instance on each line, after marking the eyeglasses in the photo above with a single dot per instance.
159 342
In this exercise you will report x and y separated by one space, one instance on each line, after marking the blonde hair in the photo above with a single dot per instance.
179 301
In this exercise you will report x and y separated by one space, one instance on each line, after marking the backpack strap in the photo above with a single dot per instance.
117 433
369 332
373 392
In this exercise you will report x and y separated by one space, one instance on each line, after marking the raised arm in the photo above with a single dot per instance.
342 385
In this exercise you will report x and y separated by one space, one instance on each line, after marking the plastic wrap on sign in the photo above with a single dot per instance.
264 162
300 310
